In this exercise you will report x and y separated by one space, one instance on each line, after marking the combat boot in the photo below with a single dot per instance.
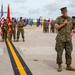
70 68
59 67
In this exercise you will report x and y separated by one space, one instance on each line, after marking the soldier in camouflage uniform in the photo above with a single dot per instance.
13 29
46 26
4 30
52 26
66 28
20 29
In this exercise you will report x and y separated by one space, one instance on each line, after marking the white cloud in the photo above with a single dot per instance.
36 8
19 1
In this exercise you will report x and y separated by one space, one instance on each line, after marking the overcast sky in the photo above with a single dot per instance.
36 8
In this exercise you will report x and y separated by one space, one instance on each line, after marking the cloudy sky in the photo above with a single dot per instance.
36 8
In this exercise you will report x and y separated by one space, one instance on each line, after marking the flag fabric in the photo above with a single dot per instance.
8 13
1 24
2 17
8 20
1 21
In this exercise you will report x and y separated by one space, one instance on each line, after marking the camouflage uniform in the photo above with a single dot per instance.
4 30
46 26
13 30
52 26
64 40
20 29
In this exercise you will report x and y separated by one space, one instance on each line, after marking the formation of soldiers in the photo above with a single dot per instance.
9 30
49 26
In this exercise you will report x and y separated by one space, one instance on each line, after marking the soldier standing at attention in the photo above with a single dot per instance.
66 28
52 26
13 29
46 26
20 29
4 29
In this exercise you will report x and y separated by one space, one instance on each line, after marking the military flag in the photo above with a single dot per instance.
1 19
8 13
8 19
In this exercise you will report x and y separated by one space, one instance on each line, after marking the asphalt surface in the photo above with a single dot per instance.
38 52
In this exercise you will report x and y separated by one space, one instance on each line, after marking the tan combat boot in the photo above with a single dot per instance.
59 67
70 68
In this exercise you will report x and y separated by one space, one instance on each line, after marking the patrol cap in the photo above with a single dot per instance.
64 9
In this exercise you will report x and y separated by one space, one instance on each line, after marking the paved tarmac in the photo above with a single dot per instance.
38 52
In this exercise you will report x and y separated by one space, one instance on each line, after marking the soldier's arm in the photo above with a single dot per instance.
73 25
15 26
59 26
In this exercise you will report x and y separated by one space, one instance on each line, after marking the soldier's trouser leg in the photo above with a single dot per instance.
45 29
59 48
6 35
18 34
22 33
10 36
13 34
68 51
53 30
48 29
2 35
